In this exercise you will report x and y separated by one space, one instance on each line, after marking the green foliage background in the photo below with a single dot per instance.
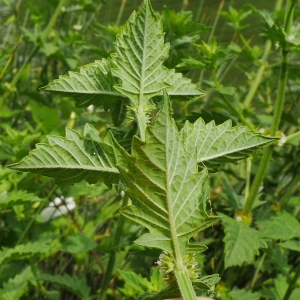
222 52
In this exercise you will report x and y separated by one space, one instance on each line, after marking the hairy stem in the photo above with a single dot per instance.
185 284
237 113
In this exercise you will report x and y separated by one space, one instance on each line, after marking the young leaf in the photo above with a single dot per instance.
74 284
75 158
222 143
241 242
140 53
92 85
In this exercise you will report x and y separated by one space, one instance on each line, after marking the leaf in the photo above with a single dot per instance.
244 294
241 242
15 287
222 143
140 53
75 158
278 292
168 193
291 245
283 226
77 243
17 198
178 86
92 85
24 250
74 284
135 282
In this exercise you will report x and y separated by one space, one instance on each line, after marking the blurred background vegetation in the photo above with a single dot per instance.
55 241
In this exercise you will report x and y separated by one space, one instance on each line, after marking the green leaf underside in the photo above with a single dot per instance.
75 158
241 242
168 192
92 85
222 143
74 284
140 53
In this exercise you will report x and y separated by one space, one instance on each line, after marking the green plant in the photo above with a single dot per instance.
164 171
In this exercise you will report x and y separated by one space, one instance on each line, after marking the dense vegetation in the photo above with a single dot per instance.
63 241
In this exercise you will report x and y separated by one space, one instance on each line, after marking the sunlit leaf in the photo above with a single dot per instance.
222 143
75 158
93 84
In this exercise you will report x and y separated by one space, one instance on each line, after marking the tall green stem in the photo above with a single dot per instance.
292 285
264 164
259 74
112 257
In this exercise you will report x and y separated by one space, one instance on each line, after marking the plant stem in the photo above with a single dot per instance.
290 189
121 12
10 58
185 284
141 120
264 164
37 213
216 20
292 284
293 136
238 114
248 175
255 277
259 74
112 257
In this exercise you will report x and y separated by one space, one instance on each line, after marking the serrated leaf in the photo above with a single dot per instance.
24 250
241 242
179 86
222 143
283 226
15 287
140 52
77 243
168 192
74 284
93 84
75 158
17 198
